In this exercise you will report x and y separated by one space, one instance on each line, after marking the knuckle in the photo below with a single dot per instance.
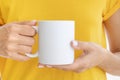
11 37
32 41
10 28
33 32
9 47
91 44
29 49
30 29
25 49
10 54
85 64
13 27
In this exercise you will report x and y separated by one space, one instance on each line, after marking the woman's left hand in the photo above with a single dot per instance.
93 55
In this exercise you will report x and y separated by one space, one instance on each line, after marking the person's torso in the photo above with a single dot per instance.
88 16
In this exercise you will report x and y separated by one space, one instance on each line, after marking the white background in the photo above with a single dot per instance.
111 77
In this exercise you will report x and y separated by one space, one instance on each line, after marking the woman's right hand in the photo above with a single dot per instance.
16 39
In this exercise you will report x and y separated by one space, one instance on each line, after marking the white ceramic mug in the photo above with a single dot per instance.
54 42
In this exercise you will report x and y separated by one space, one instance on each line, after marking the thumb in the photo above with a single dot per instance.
79 45
31 23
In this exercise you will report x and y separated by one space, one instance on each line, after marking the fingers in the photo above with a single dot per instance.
77 66
90 57
20 44
44 65
62 67
41 65
70 67
24 40
30 23
17 52
78 45
25 30
24 49
18 39
17 56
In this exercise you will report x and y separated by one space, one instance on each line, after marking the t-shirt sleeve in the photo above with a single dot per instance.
111 7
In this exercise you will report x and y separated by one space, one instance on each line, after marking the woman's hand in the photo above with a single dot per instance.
93 55
16 39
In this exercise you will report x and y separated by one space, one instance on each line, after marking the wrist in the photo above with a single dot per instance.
110 62
106 59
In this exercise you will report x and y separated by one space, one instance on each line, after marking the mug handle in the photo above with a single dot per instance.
36 54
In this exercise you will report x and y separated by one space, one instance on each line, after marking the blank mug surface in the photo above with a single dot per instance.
54 42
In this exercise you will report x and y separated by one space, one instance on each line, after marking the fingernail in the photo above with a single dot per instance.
75 43
49 66
40 66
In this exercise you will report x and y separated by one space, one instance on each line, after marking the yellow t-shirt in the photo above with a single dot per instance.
88 15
